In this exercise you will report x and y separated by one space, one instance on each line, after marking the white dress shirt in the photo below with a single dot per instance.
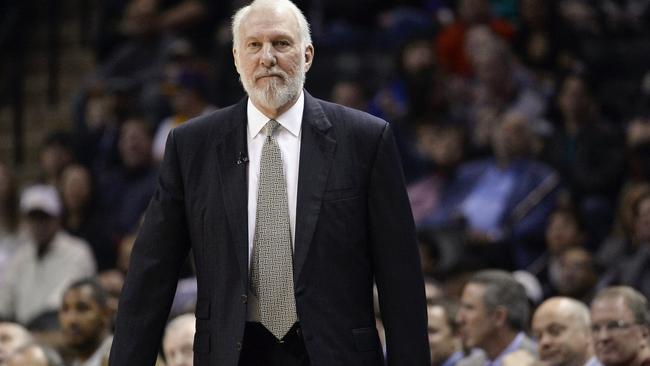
288 138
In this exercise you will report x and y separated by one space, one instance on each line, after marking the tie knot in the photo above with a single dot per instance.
270 127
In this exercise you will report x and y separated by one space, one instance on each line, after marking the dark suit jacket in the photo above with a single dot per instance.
353 226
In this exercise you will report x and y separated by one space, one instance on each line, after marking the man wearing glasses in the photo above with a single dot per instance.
619 324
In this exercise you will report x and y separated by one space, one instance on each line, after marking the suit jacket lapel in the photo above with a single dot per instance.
316 157
232 152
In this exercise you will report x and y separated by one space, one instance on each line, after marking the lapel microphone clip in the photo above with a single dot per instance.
242 158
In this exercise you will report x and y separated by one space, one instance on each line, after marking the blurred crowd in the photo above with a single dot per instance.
524 131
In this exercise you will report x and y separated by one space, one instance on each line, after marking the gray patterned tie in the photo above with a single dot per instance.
272 265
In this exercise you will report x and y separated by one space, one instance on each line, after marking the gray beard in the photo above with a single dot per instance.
276 94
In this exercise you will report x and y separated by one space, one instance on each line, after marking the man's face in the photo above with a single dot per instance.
135 144
576 273
442 341
83 320
616 336
562 341
42 227
12 337
271 58
177 345
475 323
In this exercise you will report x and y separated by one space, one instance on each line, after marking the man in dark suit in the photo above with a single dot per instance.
292 207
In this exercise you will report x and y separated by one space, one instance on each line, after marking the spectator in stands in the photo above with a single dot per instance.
634 269
350 93
619 327
444 343
443 149
493 315
501 202
450 42
564 230
85 319
622 242
29 355
501 86
125 191
561 327
577 275
178 341
82 216
189 99
112 282
12 337
8 217
588 153
44 266
542 42
57 152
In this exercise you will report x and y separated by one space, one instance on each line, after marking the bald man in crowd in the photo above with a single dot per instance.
12 337
29 355
178 341
561 326
619 326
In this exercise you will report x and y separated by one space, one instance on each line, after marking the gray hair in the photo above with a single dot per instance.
303 25
502 289
633 299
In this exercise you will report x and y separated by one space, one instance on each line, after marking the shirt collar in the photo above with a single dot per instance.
291 120
513 346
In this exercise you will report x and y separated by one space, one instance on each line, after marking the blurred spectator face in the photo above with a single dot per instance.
492 65
178 341
83 320
562 232
511 137
562 333
417 57
349 94
42 227
574 101
474 11
29 356
442 145
442 340
642 223
576 275
112 282
475 323
12 337
76 187
135 144
616 335
54 158
272 73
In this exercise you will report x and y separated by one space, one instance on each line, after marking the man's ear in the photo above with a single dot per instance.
500 316
309 56
234 57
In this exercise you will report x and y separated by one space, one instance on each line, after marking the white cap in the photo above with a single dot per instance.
41 197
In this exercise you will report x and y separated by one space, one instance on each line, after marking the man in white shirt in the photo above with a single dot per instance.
47 263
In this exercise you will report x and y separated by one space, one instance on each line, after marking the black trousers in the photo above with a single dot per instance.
261 348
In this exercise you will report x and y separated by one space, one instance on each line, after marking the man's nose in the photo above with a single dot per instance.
268 56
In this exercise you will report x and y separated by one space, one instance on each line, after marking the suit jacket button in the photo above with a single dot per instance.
244 299
239 346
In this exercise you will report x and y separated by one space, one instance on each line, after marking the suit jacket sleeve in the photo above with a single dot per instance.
159 251
398 271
